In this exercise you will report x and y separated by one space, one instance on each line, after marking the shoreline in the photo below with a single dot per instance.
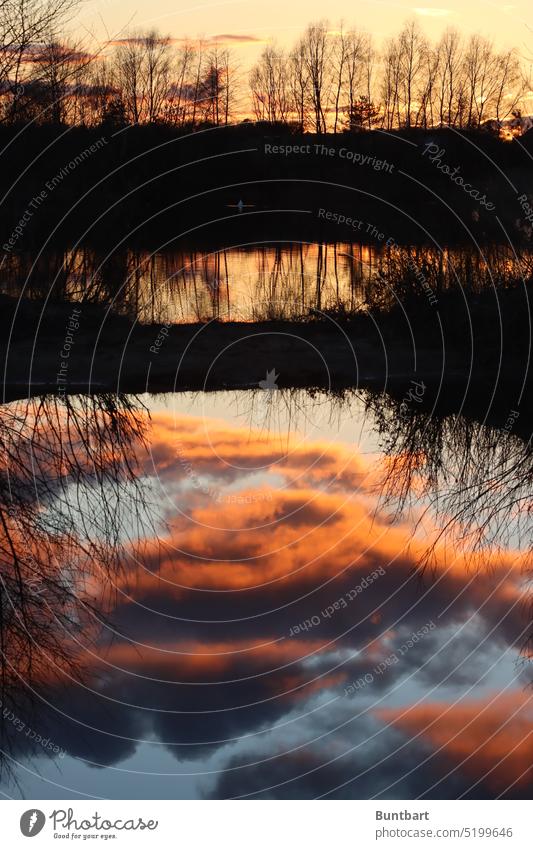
109 353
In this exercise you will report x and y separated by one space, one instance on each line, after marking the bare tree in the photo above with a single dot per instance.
510 87
299 84
413 48
157 67
391 83
197 81
211 92
59 69
232 86
128 76
179 93
269 84
24 25
99 100
358 80
340 55
481 70
216 90
142 73
448 91
316 50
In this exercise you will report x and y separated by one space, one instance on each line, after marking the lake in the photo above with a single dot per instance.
260 281
265 593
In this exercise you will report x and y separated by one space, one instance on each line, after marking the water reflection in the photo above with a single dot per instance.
274 635
476 479
259 281
69 479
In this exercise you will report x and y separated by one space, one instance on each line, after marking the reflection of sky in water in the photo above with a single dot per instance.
250 282
319 417
209 686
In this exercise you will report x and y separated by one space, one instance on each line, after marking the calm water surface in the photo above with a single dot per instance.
250 594
259 281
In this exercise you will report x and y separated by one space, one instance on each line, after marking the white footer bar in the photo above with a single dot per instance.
268 824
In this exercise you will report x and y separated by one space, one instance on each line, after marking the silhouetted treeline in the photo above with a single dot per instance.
339 80
332 79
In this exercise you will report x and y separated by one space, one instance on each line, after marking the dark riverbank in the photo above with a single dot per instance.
154 185
471 356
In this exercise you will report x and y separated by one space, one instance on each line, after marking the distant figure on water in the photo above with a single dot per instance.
241 205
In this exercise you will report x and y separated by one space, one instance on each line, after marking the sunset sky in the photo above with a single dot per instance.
248 23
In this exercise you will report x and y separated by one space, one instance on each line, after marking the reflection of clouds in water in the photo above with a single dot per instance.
492 739
464 752
199 658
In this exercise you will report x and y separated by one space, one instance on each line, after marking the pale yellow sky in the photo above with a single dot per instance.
507 24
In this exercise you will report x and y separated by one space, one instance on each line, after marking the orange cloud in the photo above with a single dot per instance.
490 739
321 520
191 661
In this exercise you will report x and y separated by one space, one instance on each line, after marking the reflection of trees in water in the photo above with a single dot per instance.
477 480
283 281
474 480
70 501
280 412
